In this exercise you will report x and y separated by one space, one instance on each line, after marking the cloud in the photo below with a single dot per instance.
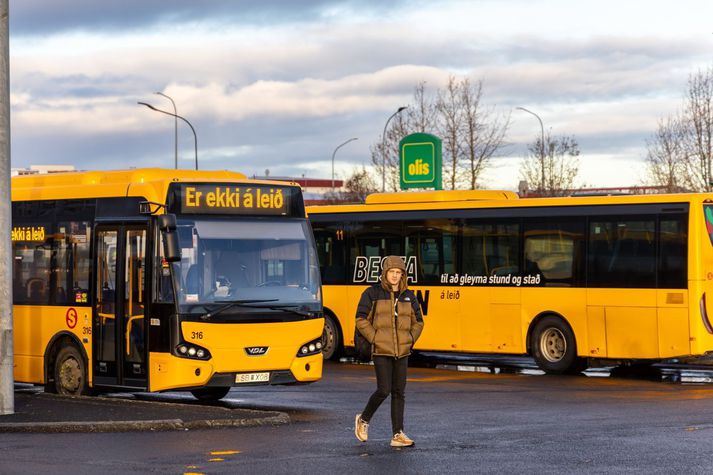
279 84
42 17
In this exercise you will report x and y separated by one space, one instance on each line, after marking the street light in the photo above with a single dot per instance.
383 146
175 125
542 145
195 137
334 153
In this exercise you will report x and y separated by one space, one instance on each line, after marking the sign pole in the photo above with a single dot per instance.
7 396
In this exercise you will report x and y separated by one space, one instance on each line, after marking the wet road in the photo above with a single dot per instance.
463 422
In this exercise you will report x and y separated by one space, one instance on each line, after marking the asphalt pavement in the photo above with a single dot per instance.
36 411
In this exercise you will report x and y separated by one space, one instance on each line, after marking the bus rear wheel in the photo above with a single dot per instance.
554 348
70 372
210 394
330 338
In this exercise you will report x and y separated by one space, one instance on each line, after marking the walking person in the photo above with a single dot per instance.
396 325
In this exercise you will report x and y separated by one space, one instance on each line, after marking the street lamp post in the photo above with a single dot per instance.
383 146
195 137
175 125
542 145
334 153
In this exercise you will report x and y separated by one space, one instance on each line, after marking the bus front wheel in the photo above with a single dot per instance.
210 394
330 338
70 372
554 348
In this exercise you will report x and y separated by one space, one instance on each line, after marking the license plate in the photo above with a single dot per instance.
252 378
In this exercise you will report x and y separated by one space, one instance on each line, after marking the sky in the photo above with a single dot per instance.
278 85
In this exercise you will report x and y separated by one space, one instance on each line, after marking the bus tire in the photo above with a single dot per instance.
70 372
331 340
554 347
210 393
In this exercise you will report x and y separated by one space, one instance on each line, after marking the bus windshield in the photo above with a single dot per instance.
268 260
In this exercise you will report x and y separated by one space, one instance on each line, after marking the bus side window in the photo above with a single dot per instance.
330 240
107 299
164 284
36 290
629 259
673 265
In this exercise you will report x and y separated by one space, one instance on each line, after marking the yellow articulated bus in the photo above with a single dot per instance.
570 281
154 280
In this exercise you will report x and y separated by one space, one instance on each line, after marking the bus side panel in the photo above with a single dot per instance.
673 323
34 327
352 296
596 346
506 320
444 317
631 321
337 301
30 341
476 324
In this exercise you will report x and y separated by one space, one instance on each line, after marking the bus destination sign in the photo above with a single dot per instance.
243 199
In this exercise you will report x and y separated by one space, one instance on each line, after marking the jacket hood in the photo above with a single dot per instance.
394 262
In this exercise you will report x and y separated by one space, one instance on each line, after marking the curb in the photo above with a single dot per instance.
243 418
278 418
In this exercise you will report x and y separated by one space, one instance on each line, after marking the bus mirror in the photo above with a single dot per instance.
171 248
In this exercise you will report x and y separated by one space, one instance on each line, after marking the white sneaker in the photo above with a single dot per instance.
361 428
401 440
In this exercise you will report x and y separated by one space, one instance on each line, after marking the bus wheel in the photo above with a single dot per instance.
330 338
70 372
554 347
210 394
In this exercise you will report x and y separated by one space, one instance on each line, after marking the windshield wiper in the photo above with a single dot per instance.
287 308
233 303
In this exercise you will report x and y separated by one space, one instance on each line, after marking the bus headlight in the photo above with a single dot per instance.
189 350
311 348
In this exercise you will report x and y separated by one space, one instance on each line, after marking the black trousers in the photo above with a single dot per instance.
390 380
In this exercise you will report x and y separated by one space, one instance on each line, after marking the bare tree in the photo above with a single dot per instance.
385 155
699 117
471 134
680 154
419 117
483 134
666 155
450 127
356 188
559 165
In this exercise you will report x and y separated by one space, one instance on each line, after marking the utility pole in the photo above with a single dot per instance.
175 127
7 395
542 146
383 146
195 136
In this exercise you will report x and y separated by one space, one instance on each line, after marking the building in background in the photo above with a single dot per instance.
42 169
316 191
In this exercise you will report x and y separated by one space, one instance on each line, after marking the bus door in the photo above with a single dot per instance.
119 308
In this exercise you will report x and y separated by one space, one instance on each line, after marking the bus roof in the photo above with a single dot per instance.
440 196
463 199
151 183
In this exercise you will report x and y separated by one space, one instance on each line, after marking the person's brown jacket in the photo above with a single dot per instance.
390 333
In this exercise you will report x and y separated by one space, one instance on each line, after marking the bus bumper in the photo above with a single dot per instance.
171 372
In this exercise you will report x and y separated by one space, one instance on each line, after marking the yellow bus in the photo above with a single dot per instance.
571 281
154 280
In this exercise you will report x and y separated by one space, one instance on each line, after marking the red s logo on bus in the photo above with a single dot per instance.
71 318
